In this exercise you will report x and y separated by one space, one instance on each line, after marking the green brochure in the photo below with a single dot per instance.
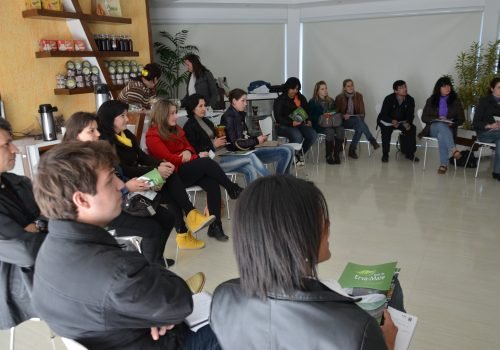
154 178
368 276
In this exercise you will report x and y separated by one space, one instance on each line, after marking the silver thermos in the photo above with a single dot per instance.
47 121
102 95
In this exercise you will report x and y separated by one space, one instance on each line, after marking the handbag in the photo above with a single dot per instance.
330 120
299 115
137 204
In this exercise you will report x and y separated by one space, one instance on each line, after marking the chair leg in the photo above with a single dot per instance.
317 156
479 159
12 337
425 153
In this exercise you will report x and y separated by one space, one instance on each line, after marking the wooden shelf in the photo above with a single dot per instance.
86 90
47 54
63 15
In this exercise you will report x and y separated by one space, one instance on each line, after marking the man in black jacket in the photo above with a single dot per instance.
20 237
398 111
87 288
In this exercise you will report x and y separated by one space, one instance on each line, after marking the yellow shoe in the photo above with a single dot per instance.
196 282
187 241
195 220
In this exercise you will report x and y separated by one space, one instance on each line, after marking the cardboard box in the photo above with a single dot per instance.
65 45
107 8
33 4
80 45
47 45
55 5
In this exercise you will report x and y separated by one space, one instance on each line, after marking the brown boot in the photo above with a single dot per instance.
352 153
337 148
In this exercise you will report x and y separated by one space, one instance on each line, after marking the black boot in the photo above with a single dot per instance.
215 230
352 153
235 191
337 148
374 143
329 150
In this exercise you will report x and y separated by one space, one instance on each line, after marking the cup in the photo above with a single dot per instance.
220 131
255 110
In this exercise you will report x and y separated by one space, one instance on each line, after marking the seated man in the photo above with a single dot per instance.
86 288
20 237
398 111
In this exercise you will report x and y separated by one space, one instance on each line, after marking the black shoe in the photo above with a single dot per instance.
215 231
329 159
374 143
413 158
352 153
496 176
170 262
385 158
235 192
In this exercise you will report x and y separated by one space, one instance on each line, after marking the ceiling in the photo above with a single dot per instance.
246 3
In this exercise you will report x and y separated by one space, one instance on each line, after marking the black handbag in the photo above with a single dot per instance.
138 205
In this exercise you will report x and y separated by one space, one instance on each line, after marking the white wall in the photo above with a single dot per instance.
241 52
376 52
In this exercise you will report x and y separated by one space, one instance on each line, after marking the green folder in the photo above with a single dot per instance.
154 178
368 276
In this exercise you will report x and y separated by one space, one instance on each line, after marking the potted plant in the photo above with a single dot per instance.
475 69
171 54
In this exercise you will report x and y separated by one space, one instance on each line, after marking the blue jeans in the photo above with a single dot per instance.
492 137
298 134
250 166
446 144
281 154
360 128
204 339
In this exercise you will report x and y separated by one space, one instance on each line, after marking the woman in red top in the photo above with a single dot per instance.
166 140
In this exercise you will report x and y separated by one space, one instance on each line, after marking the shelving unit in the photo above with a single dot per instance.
78 24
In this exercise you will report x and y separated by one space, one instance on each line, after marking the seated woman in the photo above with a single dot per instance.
154 230
443 113
112 121
166 140
321 104
295 131
238 140
141 90
279 238
486 126
350 103
201 134
20 237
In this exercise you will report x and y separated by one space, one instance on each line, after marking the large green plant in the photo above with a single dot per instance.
475 69
171 53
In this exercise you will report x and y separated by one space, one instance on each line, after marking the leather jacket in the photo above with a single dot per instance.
314 318
236 127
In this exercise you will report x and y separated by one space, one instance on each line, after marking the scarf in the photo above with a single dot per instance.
350 103
443 107
296 100
205 127
123 139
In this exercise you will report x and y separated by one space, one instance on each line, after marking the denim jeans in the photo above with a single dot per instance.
203 339
250 166
281 154
443 133
492 137
360 128
298 134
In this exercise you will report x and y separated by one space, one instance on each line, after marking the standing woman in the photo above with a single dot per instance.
200 80
166 140
322 104
486 126
134 162
296 131
239 140
201 134
350 103
443 113
139 91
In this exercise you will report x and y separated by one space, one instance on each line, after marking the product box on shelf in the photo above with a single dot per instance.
48 45
80 45
55 5
33 4
107 8
65 45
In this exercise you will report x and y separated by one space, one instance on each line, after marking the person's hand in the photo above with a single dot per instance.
186 156
389 330
220 141
166 169
136 185
346 116
294 123
395 123
203 154
495 125
157 332
31 228
308 123
262 138
408 126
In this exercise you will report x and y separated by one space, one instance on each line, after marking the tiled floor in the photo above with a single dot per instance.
442 229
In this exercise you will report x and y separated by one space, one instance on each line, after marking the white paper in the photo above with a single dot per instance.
201 311
406 324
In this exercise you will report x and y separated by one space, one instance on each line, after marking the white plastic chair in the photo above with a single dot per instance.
13 336
71 344
352 131
481 145
395 132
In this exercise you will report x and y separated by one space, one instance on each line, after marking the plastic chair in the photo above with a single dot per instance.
13 336
352 131
71 344
481 145
378 108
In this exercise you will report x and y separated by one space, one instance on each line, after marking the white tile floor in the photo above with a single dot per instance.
442 229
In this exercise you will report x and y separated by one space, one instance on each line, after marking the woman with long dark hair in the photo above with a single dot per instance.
443 113
141 90
134 162
200 80
166 140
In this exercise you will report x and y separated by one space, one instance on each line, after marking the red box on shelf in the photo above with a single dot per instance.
65 45
80 45
47 45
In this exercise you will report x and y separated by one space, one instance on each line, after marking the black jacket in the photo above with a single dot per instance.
197 137
314 319
236 129
88 289
486 109
206 86
430 113
392 110
284 106
18 250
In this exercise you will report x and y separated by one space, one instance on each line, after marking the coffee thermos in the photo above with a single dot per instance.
102 95
47 121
